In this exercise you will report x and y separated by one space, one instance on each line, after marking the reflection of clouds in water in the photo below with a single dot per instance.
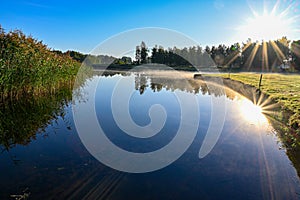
219 4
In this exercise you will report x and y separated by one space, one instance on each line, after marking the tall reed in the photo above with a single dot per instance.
27 66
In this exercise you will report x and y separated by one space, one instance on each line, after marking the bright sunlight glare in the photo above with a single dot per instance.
270 25
266 27
251 112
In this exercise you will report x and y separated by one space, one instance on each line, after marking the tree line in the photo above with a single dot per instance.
248 56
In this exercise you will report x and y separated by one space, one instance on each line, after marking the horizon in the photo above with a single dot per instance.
72 26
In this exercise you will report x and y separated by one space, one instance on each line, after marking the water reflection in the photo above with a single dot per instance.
252 109
23 118
251 112
185 83
55 165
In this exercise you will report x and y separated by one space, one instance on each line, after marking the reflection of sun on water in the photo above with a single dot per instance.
251 112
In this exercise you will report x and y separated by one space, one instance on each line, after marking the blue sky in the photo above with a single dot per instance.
82 25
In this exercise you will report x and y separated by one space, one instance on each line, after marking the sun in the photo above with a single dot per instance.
266 27
251 112
269 25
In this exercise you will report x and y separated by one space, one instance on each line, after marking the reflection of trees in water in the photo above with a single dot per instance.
156 84
21 119
156 87
140 82
107 73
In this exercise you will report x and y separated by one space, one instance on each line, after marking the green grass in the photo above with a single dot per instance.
282 88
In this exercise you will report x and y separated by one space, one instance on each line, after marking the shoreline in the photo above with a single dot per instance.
280 112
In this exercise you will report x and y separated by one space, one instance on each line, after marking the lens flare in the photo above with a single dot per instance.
251 112
270 24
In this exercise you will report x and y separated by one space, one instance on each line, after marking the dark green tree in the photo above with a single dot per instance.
154 54
138 55
295 51
144 52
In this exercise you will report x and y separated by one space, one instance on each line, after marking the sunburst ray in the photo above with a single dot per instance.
265 59
250 59
278 52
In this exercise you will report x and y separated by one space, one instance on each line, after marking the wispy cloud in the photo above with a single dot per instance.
219 4
38 5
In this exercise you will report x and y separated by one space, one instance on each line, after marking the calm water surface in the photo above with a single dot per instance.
50 162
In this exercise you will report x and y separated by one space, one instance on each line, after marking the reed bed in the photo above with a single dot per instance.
27 66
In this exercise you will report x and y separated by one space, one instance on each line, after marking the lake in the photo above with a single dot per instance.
43 153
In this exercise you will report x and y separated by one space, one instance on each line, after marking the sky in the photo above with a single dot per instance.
82 25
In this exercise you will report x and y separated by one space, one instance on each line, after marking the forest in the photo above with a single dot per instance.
250 56
264 56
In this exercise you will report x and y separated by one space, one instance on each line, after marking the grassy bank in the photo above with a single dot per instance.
27 66
282 88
